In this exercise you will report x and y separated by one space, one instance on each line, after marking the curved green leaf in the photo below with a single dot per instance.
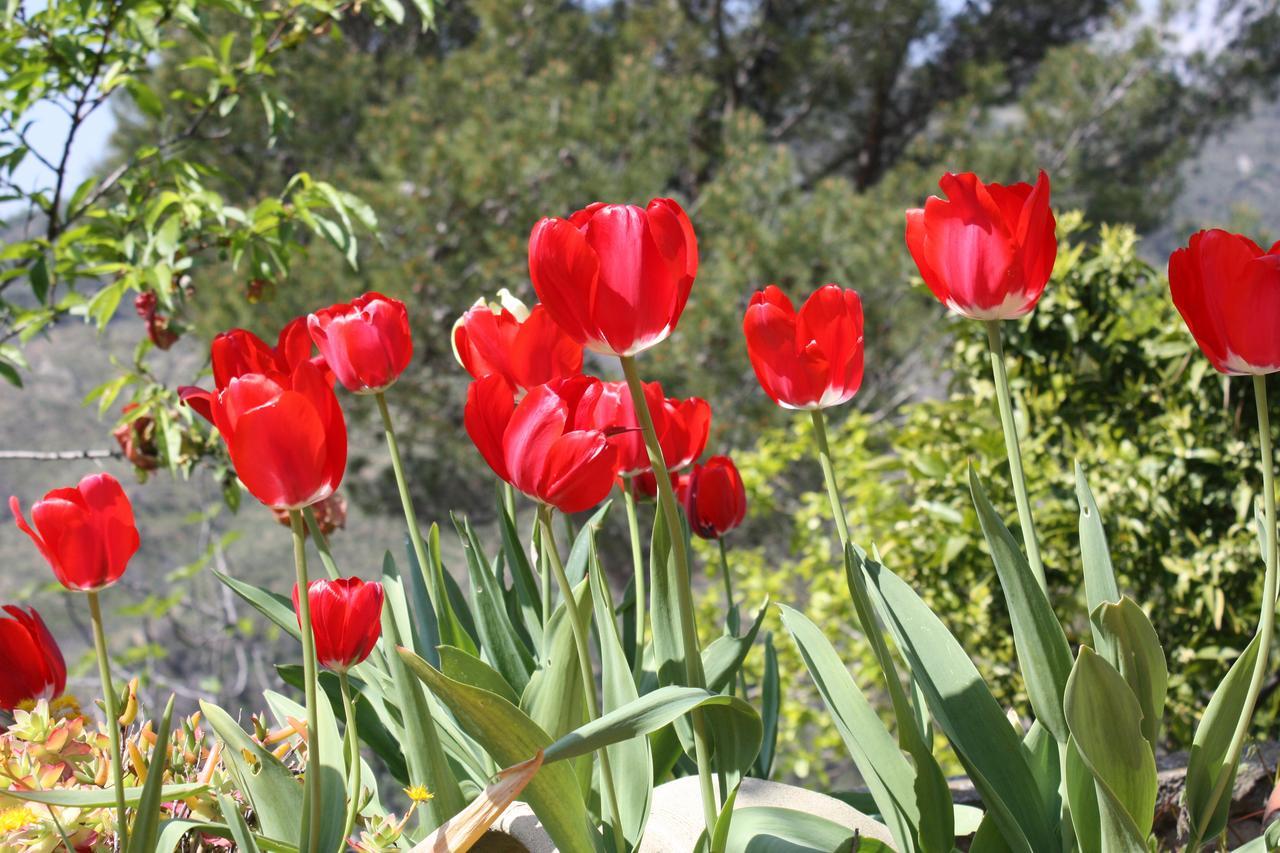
147 822
498 636
101 798
269 787
1139 657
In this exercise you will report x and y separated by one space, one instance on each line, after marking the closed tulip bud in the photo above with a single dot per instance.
285 434
986 250
524 346
687 427
535 445
1228 292
715 500
346 619
366 342
615 277
33 665
811 359
87 534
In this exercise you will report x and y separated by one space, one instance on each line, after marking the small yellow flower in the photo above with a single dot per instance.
66 706
419 794
14 819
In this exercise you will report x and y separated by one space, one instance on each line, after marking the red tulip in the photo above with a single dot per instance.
524 346
688 424
809 360
608 407
616 277
987 250
238 352
535 445
34 668
285 434
715 500
346 619
1228 292
87 534
645 485
366 342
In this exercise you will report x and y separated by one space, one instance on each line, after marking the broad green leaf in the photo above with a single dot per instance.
522 578
1044 657
1140 659
774 829
967 714
469 669
239 830
452 630
1082 797
723 657
630 760
1100 585
172 833
269 787
509 736
146 823
498 636
1209 760
1106 726
770 701
277 608
885 771
554 697
101 798
328 761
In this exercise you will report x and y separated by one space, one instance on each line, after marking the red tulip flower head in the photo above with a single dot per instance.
87 534
34 668
366 342
524 346
536 447
285 434
987 250
238 352
645 486
688 425
608 407
715 500
1228 292
616 277
811 359
346 619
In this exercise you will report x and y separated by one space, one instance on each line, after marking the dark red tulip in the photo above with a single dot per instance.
1228 292
715 500
608 407
238 352
811 359
524 346
366 342
285 434
687 426
645 485
87 534
987 250
616 277
33 665
535 445
346 620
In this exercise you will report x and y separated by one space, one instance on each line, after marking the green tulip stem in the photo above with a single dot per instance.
1266 621
1025 521
311 800
581 630
637 563
353 755
728 578
322 543
113 717
435 584
684 590
829 475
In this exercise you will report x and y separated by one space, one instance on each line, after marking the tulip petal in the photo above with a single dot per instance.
578 471
534 427
564 270
490 404
279 450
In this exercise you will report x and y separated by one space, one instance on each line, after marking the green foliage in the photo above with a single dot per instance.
1103 372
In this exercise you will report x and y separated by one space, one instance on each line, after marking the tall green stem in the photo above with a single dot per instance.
684 589
353 752
1025 521
829 475
311 801
637 564
322 544
581 629
436 589
1266 621
113 717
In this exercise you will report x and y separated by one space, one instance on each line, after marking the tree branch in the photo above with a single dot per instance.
61 455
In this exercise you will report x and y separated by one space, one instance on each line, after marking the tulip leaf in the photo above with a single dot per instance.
776 829
1139 657
553 697
522 578
173 832
664 604
1100 585
1082 797
277 608
239 830
1106 726
469 669
269 787
1044 656
964 709
101 798
510 736
884 769
630 760
724 656
146 824
770 703
498 636
1208 761
452 630
331 764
